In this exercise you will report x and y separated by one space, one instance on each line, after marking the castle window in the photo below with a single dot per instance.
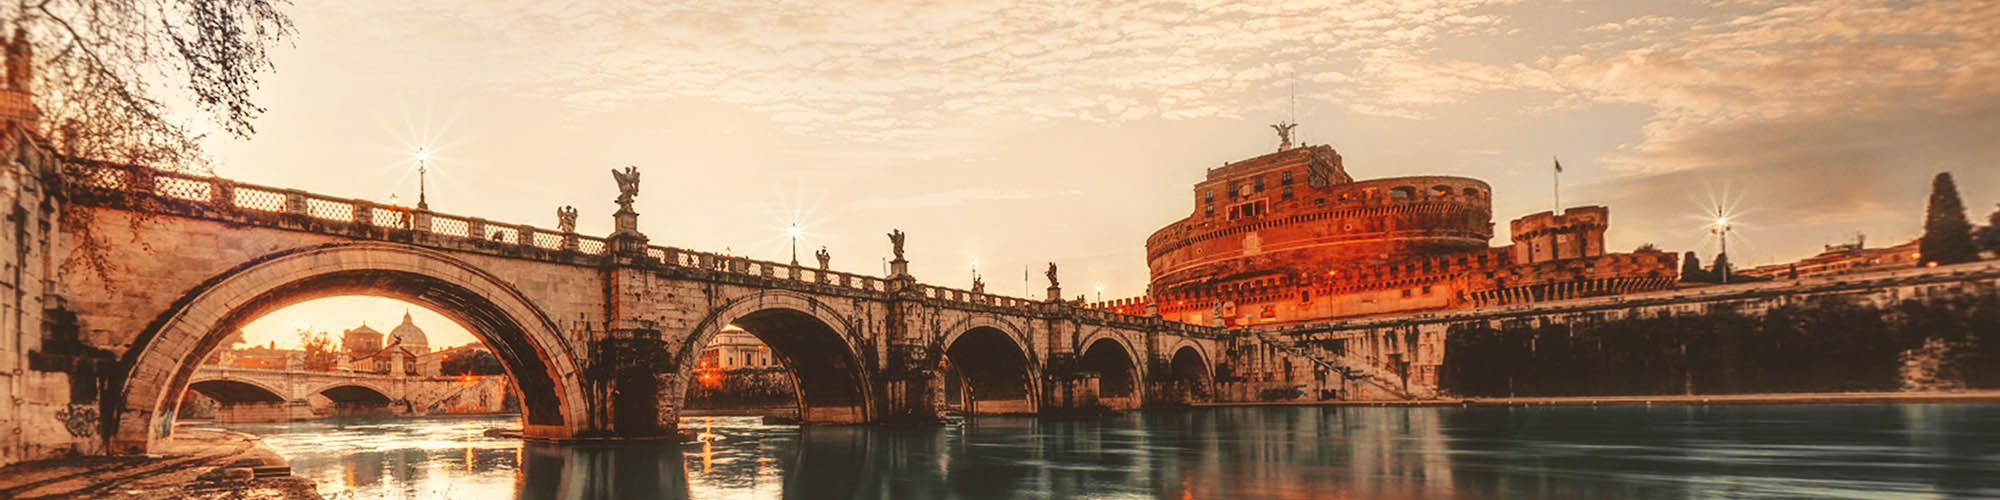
1209 196
1209 212
1402 192
1259 181
1440 191
1232 190
1406 293
1285 178
1471 193
1288 193
1319 201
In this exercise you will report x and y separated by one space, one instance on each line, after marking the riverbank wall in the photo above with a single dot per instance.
1918 330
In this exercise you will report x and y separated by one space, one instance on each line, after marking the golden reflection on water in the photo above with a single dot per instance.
1316 453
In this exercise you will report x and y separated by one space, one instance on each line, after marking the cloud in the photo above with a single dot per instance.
961 197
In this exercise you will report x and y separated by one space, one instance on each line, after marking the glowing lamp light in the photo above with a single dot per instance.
423 155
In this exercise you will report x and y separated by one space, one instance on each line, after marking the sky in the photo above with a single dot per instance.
1018 133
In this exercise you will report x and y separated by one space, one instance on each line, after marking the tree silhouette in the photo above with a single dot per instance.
1988 236
1947 235
1691 271
107 77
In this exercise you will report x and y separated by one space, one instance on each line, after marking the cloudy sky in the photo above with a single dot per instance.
1019 133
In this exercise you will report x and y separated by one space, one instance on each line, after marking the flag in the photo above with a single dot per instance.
1559 165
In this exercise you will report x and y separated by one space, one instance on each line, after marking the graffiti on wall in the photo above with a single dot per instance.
79 420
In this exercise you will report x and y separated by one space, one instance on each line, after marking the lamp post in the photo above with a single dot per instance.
1100 293
423 172
794 233
1721 232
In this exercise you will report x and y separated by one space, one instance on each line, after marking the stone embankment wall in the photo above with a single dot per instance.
1905 329
743 389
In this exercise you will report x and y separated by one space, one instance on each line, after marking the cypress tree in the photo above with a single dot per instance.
1947 235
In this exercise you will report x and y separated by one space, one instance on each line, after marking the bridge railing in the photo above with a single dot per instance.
733 264
206 194
215 193
971 297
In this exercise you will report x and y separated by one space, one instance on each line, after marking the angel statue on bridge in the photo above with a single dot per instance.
824 258
628 185
896 242
1051 273
566 219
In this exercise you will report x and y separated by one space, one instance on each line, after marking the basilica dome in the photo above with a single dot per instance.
410 336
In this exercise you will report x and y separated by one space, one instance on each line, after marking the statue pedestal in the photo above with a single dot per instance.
625 239
899 267
1055 294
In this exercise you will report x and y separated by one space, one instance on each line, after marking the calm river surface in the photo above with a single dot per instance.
1847 451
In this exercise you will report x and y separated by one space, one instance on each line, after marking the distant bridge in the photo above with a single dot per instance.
274 395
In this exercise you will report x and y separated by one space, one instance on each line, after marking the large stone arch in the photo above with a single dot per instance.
809 337
1107 353
163 357
998 365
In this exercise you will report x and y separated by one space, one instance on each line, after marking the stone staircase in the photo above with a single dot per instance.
1348 367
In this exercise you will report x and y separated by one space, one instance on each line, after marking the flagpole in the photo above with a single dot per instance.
1557 177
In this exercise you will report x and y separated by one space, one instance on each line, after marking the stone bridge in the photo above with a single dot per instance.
600 335
272 395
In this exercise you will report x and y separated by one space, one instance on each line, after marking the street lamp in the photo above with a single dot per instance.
1721 232
423 171
794 233
1100 293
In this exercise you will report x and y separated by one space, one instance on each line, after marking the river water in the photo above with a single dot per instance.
1840 451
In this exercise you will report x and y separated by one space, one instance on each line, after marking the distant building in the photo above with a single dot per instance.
407 349
360 340
1841 259
410 337
1290 237
735 349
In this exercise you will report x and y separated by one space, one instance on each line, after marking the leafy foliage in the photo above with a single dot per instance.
320 353
1988 236
1822 345
476 363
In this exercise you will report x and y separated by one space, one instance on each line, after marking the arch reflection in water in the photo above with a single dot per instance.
1847 451
593 472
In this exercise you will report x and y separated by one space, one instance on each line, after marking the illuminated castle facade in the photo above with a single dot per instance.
1290 236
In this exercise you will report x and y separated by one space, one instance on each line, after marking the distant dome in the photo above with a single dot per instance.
364 329
410 336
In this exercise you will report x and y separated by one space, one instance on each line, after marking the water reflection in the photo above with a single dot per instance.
1857 451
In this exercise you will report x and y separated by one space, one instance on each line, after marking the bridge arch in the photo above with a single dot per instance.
236 390
1119 367
354 386
997 363
811 339
164 356
1189 373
